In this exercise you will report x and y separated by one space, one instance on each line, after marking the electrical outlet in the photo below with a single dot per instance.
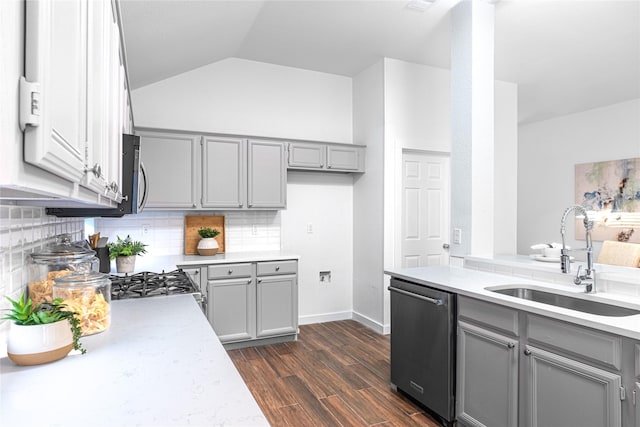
145 229
457 236
325 277
309 228
254 229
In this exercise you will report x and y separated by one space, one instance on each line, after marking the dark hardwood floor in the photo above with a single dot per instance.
336 374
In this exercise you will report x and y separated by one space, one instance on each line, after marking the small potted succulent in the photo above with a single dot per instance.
124 251
42 333
208 245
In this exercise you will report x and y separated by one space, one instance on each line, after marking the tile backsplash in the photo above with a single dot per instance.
24 230
163 231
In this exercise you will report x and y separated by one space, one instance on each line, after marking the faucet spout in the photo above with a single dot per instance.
588 279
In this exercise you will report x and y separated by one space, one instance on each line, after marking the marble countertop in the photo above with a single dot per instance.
157 263
159 363
473 283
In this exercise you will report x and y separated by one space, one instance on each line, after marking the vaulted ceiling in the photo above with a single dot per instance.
566 55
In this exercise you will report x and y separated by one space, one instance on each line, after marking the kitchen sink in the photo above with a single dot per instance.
565 301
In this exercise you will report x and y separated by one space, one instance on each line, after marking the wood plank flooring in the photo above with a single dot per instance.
336 374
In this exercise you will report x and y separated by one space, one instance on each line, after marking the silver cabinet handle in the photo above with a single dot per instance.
230 271
278 268
420 297
96 169
259 280
445 246
511 345
527 352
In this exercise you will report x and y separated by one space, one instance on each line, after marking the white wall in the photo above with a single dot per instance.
252 98
505 179
249 98
325 203
547 153
368 205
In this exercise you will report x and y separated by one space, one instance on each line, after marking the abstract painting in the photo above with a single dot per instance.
610 191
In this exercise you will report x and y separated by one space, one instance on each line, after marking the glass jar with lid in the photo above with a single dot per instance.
58 259
87 293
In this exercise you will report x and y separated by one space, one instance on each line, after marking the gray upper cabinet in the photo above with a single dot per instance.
223 172
267 175
345 158
168 160
187 171
328 157
305 155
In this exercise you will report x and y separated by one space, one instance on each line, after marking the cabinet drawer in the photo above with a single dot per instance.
492 315
596 346
277 267
223 271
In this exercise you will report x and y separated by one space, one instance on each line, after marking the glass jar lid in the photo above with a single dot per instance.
84 278
64 249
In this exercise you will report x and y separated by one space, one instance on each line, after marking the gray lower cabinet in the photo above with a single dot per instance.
563 392
250 303
230 308
636 401
520 369
487 377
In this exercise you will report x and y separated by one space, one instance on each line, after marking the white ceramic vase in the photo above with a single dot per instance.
208 246
125 264
38 344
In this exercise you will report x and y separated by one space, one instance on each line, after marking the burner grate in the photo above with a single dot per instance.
148 284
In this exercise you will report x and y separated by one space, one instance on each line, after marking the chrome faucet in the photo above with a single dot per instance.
588 279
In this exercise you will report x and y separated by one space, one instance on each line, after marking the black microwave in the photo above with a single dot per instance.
134 186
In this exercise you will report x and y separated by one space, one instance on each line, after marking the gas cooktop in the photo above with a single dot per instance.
147 284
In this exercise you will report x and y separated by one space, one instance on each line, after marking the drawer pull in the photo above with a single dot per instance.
230 271
527 352
511 345
278 268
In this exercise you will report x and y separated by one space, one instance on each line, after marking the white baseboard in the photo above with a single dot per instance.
371 324
345 315
327 317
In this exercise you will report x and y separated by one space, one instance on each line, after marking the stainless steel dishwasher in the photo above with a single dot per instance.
423 329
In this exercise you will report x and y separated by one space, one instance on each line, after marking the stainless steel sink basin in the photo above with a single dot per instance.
565 301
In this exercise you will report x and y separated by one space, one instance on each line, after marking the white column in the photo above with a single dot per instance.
472 121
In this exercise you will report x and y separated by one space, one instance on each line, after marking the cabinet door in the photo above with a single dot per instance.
231 309
344 158
563 392
56 58
267 175
487 378
223 172
171 164
277 302
306 155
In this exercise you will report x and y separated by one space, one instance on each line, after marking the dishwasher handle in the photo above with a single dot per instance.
435 301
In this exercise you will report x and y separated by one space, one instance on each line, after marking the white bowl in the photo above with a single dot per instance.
552 252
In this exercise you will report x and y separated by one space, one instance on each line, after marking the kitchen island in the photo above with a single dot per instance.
159 364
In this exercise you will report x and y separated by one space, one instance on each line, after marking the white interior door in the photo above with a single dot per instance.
425 209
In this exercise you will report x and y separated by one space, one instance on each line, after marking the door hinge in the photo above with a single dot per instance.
623 393
29 103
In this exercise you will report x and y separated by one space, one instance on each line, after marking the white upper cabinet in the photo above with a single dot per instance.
56 58
74 103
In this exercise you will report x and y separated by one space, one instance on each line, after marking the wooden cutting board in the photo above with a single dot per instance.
192 223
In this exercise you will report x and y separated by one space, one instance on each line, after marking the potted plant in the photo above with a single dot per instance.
42 333
124 251
208 245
